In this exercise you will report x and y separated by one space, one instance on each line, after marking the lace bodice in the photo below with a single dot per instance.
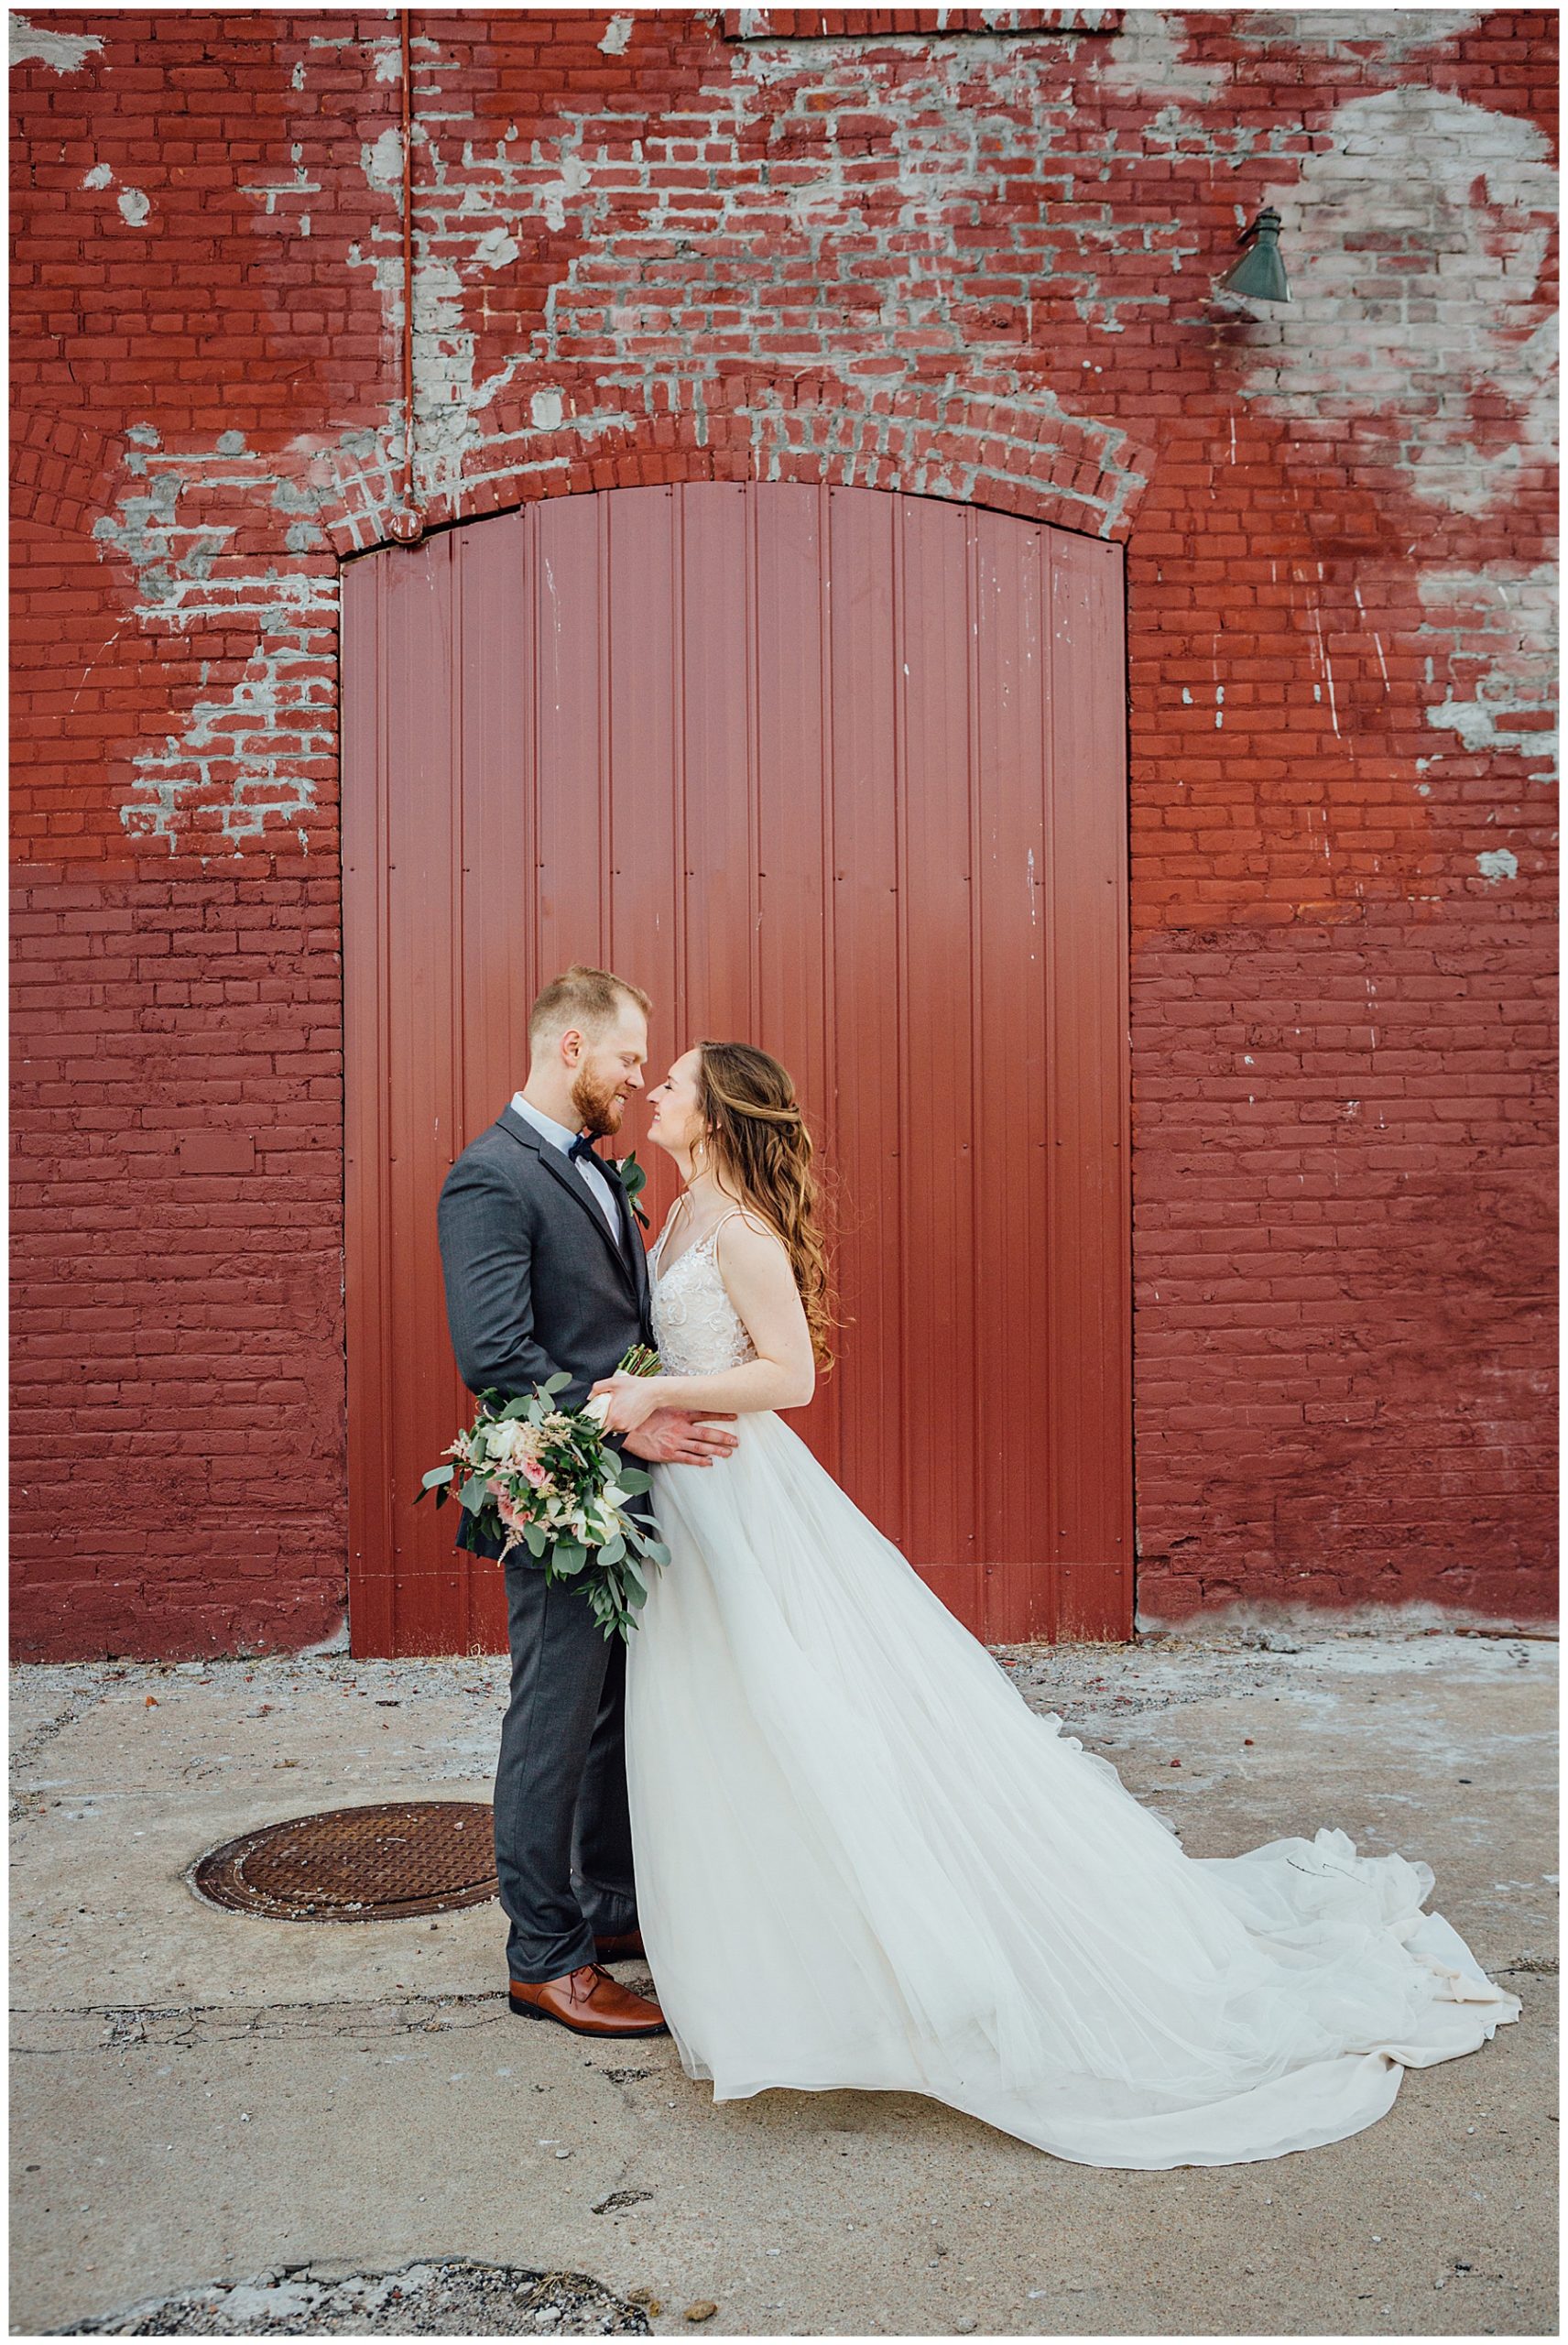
696 1327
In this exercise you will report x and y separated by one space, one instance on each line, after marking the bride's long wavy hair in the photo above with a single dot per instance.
759 1148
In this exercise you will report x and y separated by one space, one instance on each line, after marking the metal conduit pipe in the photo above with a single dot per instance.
406 521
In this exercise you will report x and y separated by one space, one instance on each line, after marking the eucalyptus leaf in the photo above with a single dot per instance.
633 1480
473 1492
558 1382
438 1474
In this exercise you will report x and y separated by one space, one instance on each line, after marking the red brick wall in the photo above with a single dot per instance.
666 245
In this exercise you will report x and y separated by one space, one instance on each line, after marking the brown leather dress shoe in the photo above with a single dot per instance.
589 2002
627 1946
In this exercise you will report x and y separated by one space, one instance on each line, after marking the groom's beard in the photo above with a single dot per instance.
598 1109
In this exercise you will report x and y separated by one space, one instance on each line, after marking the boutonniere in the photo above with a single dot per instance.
633 1180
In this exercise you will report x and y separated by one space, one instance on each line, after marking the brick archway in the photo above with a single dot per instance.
1006 455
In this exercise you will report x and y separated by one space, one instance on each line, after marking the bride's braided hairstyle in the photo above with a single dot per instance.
759 1147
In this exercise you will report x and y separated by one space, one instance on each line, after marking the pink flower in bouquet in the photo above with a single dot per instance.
507 1507
534 1472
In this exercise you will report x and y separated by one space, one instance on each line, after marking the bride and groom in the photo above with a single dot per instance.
849 1853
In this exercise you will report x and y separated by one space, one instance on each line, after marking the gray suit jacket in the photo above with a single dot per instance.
534 1282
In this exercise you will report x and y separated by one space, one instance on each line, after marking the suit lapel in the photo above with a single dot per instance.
633 1244
561 1169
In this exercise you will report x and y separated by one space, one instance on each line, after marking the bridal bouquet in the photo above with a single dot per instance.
548 1480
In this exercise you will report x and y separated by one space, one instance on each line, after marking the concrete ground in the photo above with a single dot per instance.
198 2095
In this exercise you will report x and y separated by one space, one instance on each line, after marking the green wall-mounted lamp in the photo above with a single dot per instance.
1259 272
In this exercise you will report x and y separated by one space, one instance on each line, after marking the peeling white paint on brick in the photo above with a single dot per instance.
617 32
1472 196
573 177
300 184
386 54
496 249
1355 33
356 476
382 162
253 748
252 751
1496 863
447 398
1147 58
134 202
66 52
961 124
1504 615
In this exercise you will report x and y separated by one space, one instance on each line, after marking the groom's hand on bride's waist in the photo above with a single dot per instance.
675 1437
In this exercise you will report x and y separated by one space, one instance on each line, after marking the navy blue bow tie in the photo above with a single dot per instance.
584 1147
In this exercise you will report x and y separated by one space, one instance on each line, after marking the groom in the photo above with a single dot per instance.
545 1270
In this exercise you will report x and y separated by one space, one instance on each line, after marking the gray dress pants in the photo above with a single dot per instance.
563 1836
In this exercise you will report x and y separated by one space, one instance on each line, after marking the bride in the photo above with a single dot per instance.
861 1860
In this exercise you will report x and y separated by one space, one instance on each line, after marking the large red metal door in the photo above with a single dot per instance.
838 771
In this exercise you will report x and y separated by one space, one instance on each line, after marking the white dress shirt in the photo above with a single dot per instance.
561 1136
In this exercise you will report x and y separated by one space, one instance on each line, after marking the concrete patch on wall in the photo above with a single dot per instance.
1416 245
66 52
134 202
1503 620
260 748
249 754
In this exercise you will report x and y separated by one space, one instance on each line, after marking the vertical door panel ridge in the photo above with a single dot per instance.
898 538
421 1028
935 888
642 702
454 1573
368 1334
983 1331
868 1089
604 548
832 1416
680 903
1056 1374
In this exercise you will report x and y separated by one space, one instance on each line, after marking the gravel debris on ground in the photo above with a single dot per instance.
447 2297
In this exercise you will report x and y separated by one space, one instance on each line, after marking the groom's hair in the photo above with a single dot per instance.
582 997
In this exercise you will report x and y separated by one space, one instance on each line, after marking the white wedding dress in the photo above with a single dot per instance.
861 1860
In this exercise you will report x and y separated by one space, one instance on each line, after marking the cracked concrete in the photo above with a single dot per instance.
199 2097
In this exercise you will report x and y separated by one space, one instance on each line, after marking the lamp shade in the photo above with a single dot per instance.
1259 272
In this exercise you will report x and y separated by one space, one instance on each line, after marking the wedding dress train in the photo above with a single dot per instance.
861 1860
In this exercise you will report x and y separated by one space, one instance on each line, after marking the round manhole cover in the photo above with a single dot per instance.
357 1864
